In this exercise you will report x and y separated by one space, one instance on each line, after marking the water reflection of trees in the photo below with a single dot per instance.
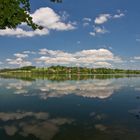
61 77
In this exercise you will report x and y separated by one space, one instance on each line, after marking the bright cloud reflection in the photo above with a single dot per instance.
97 88
40 125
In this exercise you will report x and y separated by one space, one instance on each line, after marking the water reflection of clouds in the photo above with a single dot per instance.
119 130
20 115
19 86
86 88
45 130
10 130
89 88
137 89
135 112
38 124
100 127
98 117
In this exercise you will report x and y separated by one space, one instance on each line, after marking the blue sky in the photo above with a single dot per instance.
94 33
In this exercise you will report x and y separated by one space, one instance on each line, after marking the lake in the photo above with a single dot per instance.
90 109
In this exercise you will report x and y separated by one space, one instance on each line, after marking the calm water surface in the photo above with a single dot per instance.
94 109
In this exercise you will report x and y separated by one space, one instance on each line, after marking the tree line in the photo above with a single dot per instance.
63 70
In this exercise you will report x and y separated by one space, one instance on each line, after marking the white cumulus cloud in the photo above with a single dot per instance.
103 64
98 30
101 57
102 18
119 14
20 55
84 58
19 60
86 21
45 17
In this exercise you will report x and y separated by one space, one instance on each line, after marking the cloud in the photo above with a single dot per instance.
64 15
19 60
86 21
78 42
54 53
98 30
1 63
20 55
138 39
102 18
19 32
92 33
103 64
137 57
82 58
86 24
119 14
45 17
29 52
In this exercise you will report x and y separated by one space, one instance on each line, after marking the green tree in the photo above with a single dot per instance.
15 12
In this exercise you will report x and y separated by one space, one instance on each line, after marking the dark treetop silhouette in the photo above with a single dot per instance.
15 12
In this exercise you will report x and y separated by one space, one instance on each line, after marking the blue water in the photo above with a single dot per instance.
94 109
